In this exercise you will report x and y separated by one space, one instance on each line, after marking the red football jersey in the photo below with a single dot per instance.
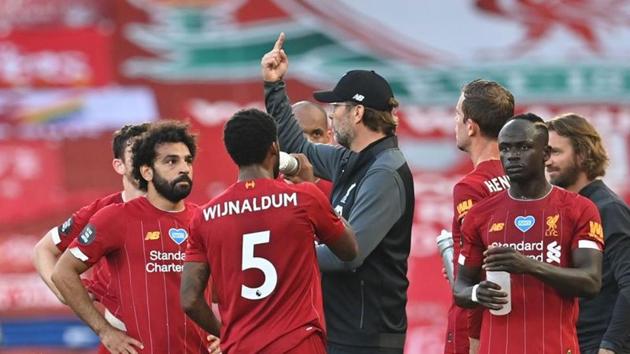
145 249
548 230
325 186
486 179
258 239
97 282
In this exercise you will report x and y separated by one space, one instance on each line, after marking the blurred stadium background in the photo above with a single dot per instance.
72 71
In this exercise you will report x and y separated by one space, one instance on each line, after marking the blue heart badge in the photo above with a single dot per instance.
524 223
178 235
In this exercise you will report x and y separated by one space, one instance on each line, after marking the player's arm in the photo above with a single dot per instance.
345 247
469 292
194 280
325 158
66 277
379 203
45 256
583 279
616 224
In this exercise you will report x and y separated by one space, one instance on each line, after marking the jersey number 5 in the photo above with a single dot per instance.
263 264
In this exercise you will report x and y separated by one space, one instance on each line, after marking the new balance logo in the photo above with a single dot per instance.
497 226
152 235
358 97
553 252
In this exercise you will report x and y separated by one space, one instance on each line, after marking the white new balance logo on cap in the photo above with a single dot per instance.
358 97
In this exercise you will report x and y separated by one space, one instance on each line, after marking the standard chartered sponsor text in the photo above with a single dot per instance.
250 205
158 262
524 247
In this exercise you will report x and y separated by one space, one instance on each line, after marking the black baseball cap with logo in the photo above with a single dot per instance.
364 87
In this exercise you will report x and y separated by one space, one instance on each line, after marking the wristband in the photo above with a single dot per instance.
473 296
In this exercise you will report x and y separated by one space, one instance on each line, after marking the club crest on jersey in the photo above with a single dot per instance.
178 235
552 225
88 235
524 223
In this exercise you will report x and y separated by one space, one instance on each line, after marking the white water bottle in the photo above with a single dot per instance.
289 165
502 279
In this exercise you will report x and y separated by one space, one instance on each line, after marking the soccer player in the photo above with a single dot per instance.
50 247
578 161
144 243
482 110
548 239
257 240
314 122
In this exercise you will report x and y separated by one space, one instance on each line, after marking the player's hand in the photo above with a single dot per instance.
214 344
117 342
275 63
506 259
305 173
473 345
605 351
489 295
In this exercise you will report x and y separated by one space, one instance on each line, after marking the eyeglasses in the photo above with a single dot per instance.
333 106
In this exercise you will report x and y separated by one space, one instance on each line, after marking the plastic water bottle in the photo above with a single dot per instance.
289 165
502 279
445 246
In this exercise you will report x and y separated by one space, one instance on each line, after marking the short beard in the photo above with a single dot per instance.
567 177
172 191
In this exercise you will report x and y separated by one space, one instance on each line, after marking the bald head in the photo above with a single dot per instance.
313 120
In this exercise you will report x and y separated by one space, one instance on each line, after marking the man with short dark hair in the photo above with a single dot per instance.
365 299
143 242
546 241
578 161
482 109
257 239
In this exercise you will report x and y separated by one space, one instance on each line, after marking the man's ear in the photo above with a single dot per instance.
357 113
472 128
146 172
119 166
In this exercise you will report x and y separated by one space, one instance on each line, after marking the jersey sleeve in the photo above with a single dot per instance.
64 234
196 247
588 232
464 198
328 225
103 234
472 251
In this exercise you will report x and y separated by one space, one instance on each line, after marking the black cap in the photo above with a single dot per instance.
361 86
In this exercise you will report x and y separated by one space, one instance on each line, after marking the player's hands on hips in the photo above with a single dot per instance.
275 63
489 295
305 173
117 342
214 344
506 259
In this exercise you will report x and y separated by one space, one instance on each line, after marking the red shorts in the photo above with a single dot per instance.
313 344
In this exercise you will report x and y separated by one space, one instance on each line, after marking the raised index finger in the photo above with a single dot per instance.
279 42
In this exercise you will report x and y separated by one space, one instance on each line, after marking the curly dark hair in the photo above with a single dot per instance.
121 137
586 142
248 134
489 104
144 149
